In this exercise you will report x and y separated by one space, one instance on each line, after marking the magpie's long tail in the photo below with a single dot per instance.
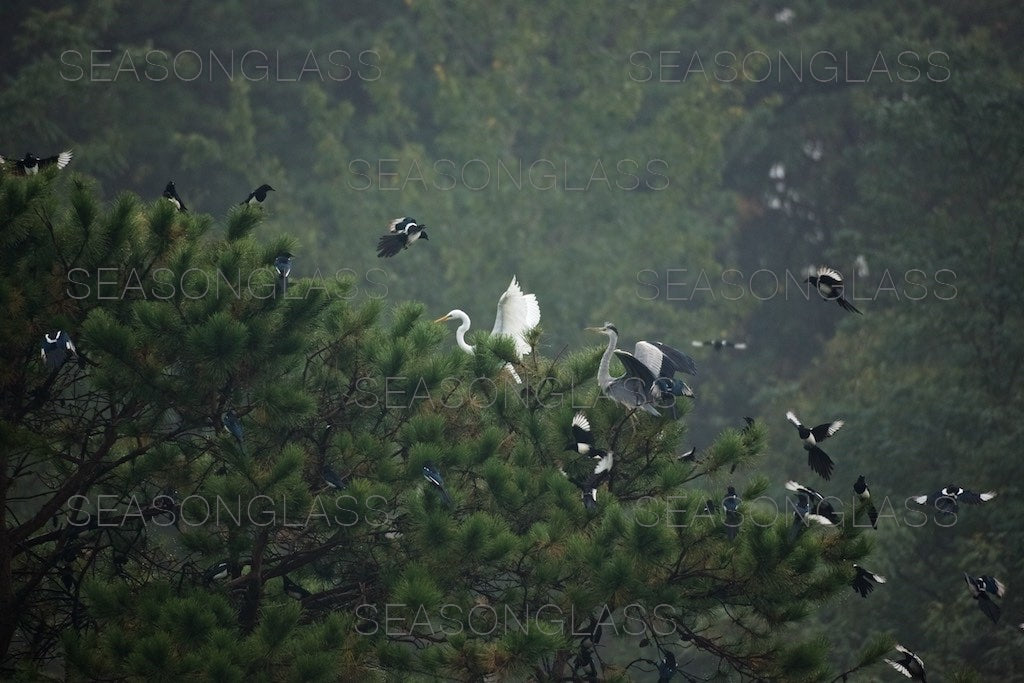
389 245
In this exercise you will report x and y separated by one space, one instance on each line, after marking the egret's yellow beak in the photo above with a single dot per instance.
443 318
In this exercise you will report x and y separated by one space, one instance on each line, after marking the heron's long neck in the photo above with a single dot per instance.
460 336
604 375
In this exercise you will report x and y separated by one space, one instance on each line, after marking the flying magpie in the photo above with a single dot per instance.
980 588
731 504
233 425
258 195
55 350
581 440
948 499
910 665
294 590
829 283
433 475
401 233
603 462
171 195
283 266
31 164
332 478
864 581
817 459
860 487
817 505
719 344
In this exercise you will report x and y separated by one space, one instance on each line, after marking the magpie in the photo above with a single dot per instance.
258 195
829 283
719 344
171 195
581 440
294 590
332 478
666 667
31 164
817 505
603 462
55 350
731 504
217 572
910 665
689 456
401 233
283 266
817 459
433 475
231 422
948 499
980 587
860 487
864 581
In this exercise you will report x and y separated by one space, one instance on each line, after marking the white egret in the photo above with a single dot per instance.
517 313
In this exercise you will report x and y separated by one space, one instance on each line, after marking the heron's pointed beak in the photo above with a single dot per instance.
599 330
443 318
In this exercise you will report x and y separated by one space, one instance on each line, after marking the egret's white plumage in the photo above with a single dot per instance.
517 313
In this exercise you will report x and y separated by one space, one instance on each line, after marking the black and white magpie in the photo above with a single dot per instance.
283 267
817 505
860 487
433 475
258 195
401 233
231 422
294 590
817 459
689 456
910 665
56 349
31 164
731 505
719 344
666 667
332 478
980 588
581 439
864 581
947 500
171 195
830 286
217 572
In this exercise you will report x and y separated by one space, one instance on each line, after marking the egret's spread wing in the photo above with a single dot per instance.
517 313
636 368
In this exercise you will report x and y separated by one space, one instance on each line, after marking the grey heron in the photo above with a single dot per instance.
517 314
649 378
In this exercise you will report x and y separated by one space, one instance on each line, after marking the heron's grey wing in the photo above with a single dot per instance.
636 368
517 313
679 360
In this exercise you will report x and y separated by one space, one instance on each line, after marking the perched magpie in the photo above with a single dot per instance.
719 344
233 424
830 285
402 232
55 350
332 478
433 475
581 440
731 504
688 456
283 266
217 572
666 667
817 459
948 499
980 587
817 505
294 590
864 581
171 195
31 164
258 195
910 665
860 487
